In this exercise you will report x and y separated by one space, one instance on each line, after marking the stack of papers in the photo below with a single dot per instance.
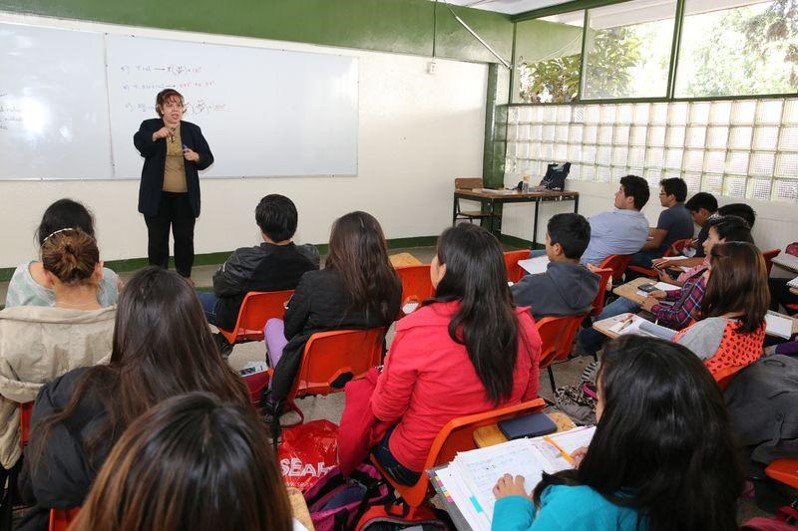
793 283
629 323
469 479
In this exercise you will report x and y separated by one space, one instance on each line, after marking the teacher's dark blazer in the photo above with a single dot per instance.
154 154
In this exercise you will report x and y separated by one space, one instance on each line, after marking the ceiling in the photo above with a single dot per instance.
510 7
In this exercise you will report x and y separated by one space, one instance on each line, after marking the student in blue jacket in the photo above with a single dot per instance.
662 457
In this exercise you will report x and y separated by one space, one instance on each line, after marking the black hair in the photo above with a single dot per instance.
485 321
702 200
663 443
676 187
731 229
65 214
277 217
571 231
739 209
637 187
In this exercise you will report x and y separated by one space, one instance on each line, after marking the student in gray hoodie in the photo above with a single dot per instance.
567 287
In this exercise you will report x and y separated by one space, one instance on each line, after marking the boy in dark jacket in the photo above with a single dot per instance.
567 287
274 265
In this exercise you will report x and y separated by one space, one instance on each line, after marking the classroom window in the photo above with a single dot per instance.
627 49
741 148
733 47
548 55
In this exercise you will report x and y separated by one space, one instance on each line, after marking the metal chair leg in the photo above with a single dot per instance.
551 379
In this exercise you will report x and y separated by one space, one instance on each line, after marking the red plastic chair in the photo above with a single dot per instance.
725 376
60 519
784 471
769 256
331 359
257 308
675 248
25 411
604 279
618 263
416 283
557 334
511 258
792 308
456 436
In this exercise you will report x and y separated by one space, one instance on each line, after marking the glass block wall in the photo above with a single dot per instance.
736 148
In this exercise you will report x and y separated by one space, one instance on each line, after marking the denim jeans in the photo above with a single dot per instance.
397 470
591 340
209 303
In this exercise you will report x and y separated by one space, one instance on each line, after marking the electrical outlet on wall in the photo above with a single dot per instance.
431 66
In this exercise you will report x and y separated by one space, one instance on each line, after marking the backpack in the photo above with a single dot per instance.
395 515
336 502
555 176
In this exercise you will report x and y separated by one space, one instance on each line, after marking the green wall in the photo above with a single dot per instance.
400 26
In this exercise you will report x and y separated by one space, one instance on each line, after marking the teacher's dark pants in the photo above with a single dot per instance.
174 210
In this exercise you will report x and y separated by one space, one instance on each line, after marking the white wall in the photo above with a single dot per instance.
776 223
416 133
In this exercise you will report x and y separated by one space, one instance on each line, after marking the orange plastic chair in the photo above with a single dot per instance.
416 283
511 258
784 471
791 307
604 279
456 436
25 411
557 334
257 308
331 359
675 248
618 263
769 256
60 519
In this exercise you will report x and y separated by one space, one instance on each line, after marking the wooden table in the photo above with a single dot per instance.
299 508
491 435
403 259
491 198
604 325
629 290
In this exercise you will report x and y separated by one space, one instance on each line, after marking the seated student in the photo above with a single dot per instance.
740 210
731 329
567 287
465 351
191 462
162 347
674 222
686 301
662 456
623 230
274 265
719 229
358 288
29 286
702 207
39 343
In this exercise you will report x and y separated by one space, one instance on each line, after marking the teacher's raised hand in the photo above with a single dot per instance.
163 132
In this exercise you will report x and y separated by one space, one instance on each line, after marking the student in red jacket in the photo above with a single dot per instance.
466 351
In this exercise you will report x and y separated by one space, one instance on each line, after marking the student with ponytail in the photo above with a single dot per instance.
39 343
466 351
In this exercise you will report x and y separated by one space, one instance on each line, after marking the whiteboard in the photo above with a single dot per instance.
263 112
53 104
70 102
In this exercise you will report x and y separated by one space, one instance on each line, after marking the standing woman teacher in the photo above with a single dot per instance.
174 151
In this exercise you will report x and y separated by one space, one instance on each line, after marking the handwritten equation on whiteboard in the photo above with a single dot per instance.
142 81
10 113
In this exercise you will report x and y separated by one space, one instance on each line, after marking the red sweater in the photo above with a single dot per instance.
428 380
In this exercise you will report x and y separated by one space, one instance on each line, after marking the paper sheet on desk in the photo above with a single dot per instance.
662 286
793 283
640 327
778 325
536 265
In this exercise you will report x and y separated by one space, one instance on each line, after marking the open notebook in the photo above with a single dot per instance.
469 479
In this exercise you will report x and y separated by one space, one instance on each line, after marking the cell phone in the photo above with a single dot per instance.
533 425
648 287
